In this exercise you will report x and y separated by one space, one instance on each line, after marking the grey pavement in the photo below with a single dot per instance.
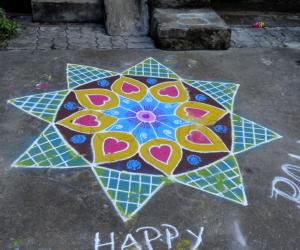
64 209
281 29
73 37
271 37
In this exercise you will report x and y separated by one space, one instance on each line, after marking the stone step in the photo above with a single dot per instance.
188 29
179 3
54 11
126 17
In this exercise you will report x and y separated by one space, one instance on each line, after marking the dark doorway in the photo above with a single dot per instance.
16 6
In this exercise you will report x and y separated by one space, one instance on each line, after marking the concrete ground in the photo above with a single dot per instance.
61 210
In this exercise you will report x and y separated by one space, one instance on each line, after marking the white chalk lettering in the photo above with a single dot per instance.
98 243
165 234
197 236
289 168
292 171
295 196
169 235
146 235
297 157
132 242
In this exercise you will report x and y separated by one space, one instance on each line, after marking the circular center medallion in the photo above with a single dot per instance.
146 116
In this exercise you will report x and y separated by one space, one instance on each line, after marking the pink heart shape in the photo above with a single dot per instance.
98 100
161 153
171 91
198 113
112 145
87 120
129 88
197 137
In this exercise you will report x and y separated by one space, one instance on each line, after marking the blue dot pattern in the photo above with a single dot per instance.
78 139
103 83
200 97
151 81
194 160
134 165
70 105
222 129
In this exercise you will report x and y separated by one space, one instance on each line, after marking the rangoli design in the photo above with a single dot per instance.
141 129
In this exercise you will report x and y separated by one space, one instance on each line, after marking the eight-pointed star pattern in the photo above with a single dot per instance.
141 128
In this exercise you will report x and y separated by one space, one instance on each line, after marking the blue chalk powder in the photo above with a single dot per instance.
222 129
194 160
78 139
134 165
200 97
151 81
103 83
70 105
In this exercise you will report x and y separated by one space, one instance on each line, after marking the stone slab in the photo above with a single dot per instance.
55 11
185 29
125 18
